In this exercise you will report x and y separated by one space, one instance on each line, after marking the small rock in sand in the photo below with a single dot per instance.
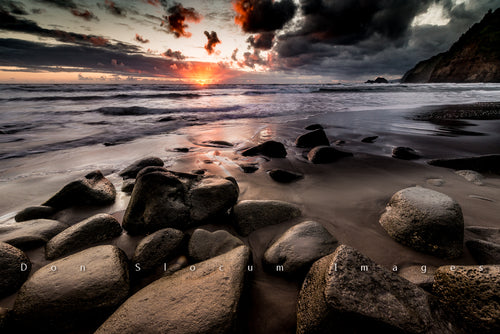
484 252
181 149
31 233
370 140
34 212
311 139
425 220
131 171
204 245
157 248
326 154
405 153
284 176
270 148
14 269
435 182
471 176
83 234
251 215
92 189
299 247
249 167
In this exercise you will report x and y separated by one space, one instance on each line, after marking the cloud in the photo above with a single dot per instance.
234 54
65 4
263 41
263 15
14 7
213 40
178 15
114 9
250 59
84 14
173 54
141 39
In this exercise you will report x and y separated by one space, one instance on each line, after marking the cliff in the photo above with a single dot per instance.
475 57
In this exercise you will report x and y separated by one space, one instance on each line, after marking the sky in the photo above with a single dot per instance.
225 41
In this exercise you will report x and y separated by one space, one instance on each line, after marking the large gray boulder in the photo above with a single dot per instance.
204 245
34 212
162 199
425 220
203 300
157 248
471 176
69 297
299 247
338 293
472 293
251 215
92 189
83 234
131 171
31 233
14 269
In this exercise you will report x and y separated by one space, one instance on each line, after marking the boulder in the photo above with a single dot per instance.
162 199
486 233
4 315
314 127
128 186
311 139
34 212
62 296
423 276
270 148
203 300
131 171
249 167
471 292
250 215
484 252
284 176
405 153
350 293
471 176
150 169
425 220
299 247
14 269
326 154
369 140
211 197
157 248
31 233
82 235
92 189
481 164
204 245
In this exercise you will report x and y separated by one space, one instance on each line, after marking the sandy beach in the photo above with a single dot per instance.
347 197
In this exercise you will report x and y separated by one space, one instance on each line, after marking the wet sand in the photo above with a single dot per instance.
346 196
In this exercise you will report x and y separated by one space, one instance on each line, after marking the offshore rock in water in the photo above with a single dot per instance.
34 212
61 296
425 220
162 199
131 171
31 233
404 153
472 294
299 247
326 154
251 215
311 139
204 245
157 248
92 189
349 292
270 148
83 234
12 275
204 301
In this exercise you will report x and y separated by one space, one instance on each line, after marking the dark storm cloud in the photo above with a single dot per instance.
173 54
11 23
356 39
84 14
65 4
112 8
263 15
14 7
263 41
141 39
20 53
250 59
177 18
213 40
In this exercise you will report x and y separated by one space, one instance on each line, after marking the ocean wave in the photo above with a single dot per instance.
104 97
140 111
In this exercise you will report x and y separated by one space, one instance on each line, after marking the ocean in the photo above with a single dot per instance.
44 118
